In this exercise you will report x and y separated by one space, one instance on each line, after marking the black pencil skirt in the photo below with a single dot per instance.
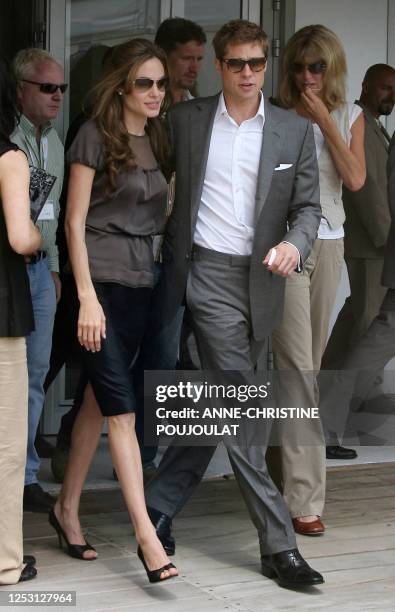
127 312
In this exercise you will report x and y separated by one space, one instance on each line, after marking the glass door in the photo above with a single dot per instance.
97 25
22 25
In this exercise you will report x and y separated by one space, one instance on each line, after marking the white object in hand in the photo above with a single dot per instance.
272 257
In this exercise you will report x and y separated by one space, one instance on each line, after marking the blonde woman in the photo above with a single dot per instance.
313 85
116 202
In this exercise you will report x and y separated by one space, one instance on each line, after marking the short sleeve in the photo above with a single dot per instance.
354 110
87 147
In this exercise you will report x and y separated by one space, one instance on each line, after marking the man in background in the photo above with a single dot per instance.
367 357
366 230
184 43
40 90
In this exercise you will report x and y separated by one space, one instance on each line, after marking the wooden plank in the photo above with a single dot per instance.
218 553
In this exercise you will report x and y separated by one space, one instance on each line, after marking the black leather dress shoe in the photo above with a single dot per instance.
28 573
340 452
29 560
162 524
290 569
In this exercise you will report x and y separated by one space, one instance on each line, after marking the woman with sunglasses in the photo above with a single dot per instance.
18 237
313 85
116 202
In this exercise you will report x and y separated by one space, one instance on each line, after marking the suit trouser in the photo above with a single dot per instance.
218 299
358 373
13 439
358 312
298 467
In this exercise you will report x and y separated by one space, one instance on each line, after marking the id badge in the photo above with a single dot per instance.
47 212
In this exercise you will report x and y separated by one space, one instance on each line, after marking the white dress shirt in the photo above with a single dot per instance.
226 215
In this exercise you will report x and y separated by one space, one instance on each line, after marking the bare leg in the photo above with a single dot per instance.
84 441
126 458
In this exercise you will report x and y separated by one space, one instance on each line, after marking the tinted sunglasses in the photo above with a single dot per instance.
48 88
144 84
315 68
256 64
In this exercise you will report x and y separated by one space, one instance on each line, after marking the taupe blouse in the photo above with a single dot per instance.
120 227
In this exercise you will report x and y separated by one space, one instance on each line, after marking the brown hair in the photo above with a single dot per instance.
314 42
238 31
120 69
177 31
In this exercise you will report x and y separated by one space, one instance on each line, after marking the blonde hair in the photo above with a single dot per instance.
314 42
120 70
26 60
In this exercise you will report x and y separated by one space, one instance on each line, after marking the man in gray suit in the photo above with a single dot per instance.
245 215
375 348
366 230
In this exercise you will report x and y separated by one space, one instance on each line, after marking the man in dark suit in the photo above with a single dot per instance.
245 215
376 347
366 230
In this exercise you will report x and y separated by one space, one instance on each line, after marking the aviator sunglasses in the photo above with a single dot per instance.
315 68
47 88
144 84
256 64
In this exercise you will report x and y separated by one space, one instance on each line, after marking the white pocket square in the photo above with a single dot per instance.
283 166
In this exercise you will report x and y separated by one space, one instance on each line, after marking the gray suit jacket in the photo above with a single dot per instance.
367 211
283 197
388 279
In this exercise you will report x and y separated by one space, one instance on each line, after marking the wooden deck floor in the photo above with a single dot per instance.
217 553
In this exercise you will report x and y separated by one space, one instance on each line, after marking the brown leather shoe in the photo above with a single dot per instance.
312 528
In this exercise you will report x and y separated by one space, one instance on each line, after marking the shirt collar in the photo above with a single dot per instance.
30 129
223 111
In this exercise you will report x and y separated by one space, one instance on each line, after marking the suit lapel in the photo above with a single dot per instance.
378 131
272 143
375 126
201 122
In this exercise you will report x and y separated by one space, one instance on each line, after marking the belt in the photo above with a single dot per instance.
35 257
201 253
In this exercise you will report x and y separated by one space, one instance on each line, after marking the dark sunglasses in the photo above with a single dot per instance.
256 64
48 88
315 68
145 84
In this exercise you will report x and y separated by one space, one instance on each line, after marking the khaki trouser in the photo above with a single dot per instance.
298 466
13 442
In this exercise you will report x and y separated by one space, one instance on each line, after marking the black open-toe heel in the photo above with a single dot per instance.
74 550
155 575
